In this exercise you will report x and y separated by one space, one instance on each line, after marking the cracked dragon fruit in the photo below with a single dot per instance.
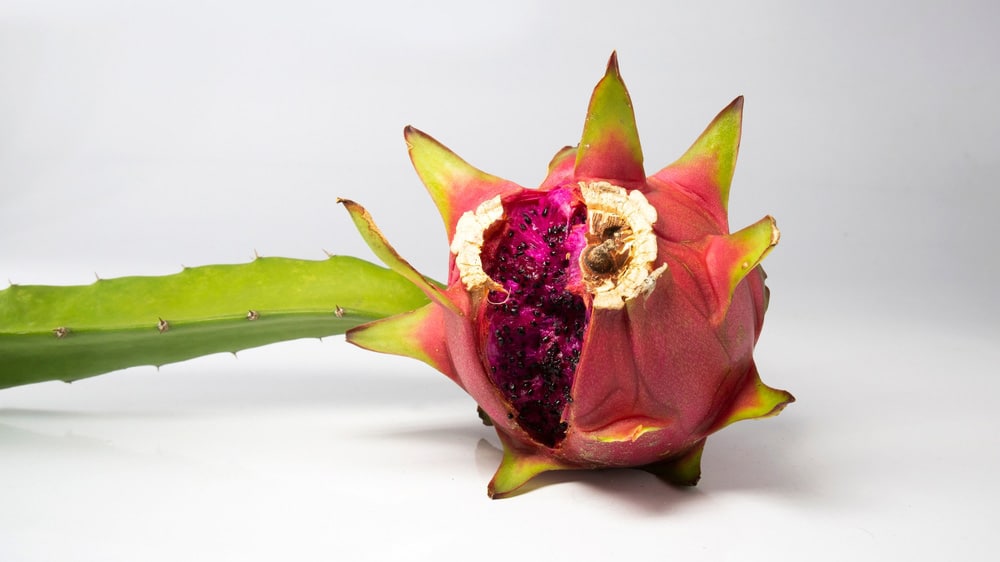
604 319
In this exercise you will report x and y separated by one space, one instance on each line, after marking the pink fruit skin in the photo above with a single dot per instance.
657 375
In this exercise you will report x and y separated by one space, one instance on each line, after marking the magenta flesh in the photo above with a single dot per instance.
535 332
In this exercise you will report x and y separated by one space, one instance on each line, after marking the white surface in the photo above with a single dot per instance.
136 136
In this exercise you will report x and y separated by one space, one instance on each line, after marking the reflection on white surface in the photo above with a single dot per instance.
310 450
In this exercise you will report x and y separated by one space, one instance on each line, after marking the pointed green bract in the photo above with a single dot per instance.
390 257
755 400
560 168
682 470
68 333
418 334
517 468
609 148
561 157
454 184
706 170
731 258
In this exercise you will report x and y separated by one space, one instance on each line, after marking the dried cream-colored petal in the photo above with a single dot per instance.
629 217
467 244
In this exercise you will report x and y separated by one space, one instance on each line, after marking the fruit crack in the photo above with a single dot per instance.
534 332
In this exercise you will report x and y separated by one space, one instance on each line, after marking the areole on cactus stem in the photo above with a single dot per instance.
604 319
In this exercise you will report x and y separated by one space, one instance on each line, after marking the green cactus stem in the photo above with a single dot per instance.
69 333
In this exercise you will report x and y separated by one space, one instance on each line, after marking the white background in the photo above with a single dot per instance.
139 136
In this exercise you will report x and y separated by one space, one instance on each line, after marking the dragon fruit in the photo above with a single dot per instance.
604 319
